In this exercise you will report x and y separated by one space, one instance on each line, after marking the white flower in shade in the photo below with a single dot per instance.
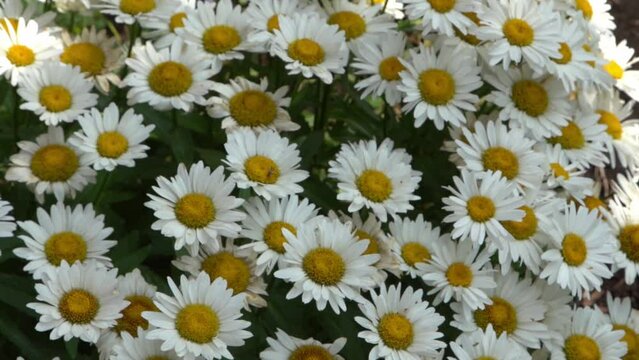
13 10
478 206
559 305
140 348
619 61
7 224
379 63
326 263
170 78
161 24
202 318
264 223
233 264
50 166
78 301
264 162
560 172
413 242
485 344
24 46
443 17
81 6
439 85
528 101
311 47
626 190
581 247
624 221
520 30
595 12
99 56
379 178
285 347
400 325
360 22
516 310
243 103
621 317
64 234
128 11
108 140
264 18
196 206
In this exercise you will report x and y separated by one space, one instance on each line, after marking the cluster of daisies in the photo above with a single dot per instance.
535 96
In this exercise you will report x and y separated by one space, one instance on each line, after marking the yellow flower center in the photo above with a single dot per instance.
374 185
614 69
78 306
233 269
219 39
629 242
55 98
573 249
373 246
530 97
485 358
67 246
134 7
306 51
12 21
468 37
500 314
112 144
310 352
593 203
571 137
351 23
390 68
54 163
396 331
502 159
559 171
414 252
630 338
197 323
566 54
261 169
324 266
132 314
252 108
20 55
518 32
613 125
177 21
480 208
436 86
585 7
195 210
89 57
524 229
581 347
442 6
170 78
459 274
273 23
273 236
157 357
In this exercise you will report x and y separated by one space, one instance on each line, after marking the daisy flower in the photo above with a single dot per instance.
13 10
170 78
137 348
621 317
560 172
595 12
128 11
7 224
311 47
379 178
413 242
581 247
624 221
439 85
626 190
161 24
202 318
619 61
78 301
50 166
56 92
441 16
108 140
478 206
400 325
360 22
284 347
559 305
326 263
487 345
264 18
264 224
243 103
233 264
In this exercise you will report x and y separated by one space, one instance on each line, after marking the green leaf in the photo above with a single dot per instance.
19 290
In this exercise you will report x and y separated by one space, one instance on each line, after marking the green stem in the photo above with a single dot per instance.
320 111
47 5
104 180
134 32
384 7
72 21
174 118
16 116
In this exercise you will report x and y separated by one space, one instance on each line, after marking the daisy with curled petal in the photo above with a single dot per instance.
400 325
264 224
50 166
196 207
379 178
78 301
624 221
285 347
233 264
413 242
161 24
138 348
264 18
242 103
459 270
202 318
621 317
311 47
439 84
442 16
581 248
7 224
128 11
108 140
619 61
359 21
326 263
560 172
264 162
485 344
171 78
13 10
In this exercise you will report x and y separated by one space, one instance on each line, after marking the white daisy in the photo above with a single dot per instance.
379 178
400 325
13 10
621 317
161 24
140 348
624 221
7 224
50 166
559 305
128 11
626 190
109 140
285 347
595 12
360 22
441 16
413 242
196 206
202 318
486 344
326 263
560 172
264 18
619 61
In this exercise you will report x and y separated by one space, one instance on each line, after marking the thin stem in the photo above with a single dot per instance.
174 118
104 180
47 5
320 111
16 116
384 7
134 31
72 21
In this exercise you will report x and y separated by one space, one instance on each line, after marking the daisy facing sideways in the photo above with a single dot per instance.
360 22
7 224
285 347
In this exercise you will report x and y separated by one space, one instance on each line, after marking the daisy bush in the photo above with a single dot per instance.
317 180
